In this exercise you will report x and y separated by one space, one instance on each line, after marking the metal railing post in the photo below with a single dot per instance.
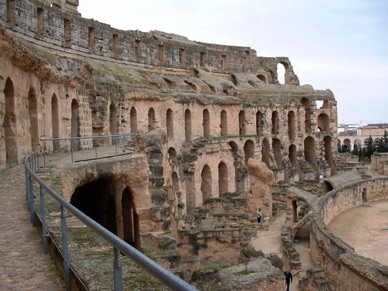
66 258
30 189
44 224
118 272
71 151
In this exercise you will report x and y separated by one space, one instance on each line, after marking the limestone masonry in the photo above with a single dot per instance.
217 134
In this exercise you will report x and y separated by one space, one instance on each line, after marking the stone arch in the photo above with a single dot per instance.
249 150
170 123
265 152
206 123
293 156
55 121
259 123
291 125
34 119
273 77
133 119
172 156
309 153
233 79
223 180
224 123
277 150
113 121
110 204
10 124
282 72
206 182
242 122
151 119
323 122
188 125
328 154
262 77
275 122
75 130
239 175
307 118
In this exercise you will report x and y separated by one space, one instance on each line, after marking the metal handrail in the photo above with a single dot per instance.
31 168
115 140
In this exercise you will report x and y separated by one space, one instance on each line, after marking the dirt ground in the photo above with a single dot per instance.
365 228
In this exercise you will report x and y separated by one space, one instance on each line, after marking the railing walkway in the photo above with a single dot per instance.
24 265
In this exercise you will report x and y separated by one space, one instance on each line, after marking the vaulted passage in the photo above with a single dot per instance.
170 124
55 121
309 153
110 204
265 151
133 122
206 123
222 178
206 182
328 155
33 114
10 125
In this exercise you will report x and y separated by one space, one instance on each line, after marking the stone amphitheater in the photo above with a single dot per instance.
217 137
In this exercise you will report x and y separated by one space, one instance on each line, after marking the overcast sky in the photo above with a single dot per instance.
339 45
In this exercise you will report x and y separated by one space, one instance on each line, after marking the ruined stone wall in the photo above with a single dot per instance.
343 267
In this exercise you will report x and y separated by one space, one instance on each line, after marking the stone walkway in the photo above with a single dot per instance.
23 265
269 242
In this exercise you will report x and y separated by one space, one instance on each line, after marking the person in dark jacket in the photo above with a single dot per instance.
288 278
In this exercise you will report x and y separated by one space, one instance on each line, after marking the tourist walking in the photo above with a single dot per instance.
259 215
288 278
266 221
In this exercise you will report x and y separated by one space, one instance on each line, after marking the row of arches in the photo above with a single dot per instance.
260 123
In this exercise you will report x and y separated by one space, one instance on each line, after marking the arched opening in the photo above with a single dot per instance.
34 120
239 175
113 121
206 182
170 123
75 130
55 121
328 154
249 150
323 122
265 151
242 123
307 117
206 123
364 195
111 205
277 151
224 123
309 153
293 156
175 182
281 70
262 78
346 145
10 125
172 157
188 125
151 119
133 118
275 122
259 123
222 178
291 125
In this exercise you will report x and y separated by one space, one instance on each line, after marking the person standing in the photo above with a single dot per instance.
288 278
259 215
266 221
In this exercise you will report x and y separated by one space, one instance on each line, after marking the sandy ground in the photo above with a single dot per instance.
365 228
